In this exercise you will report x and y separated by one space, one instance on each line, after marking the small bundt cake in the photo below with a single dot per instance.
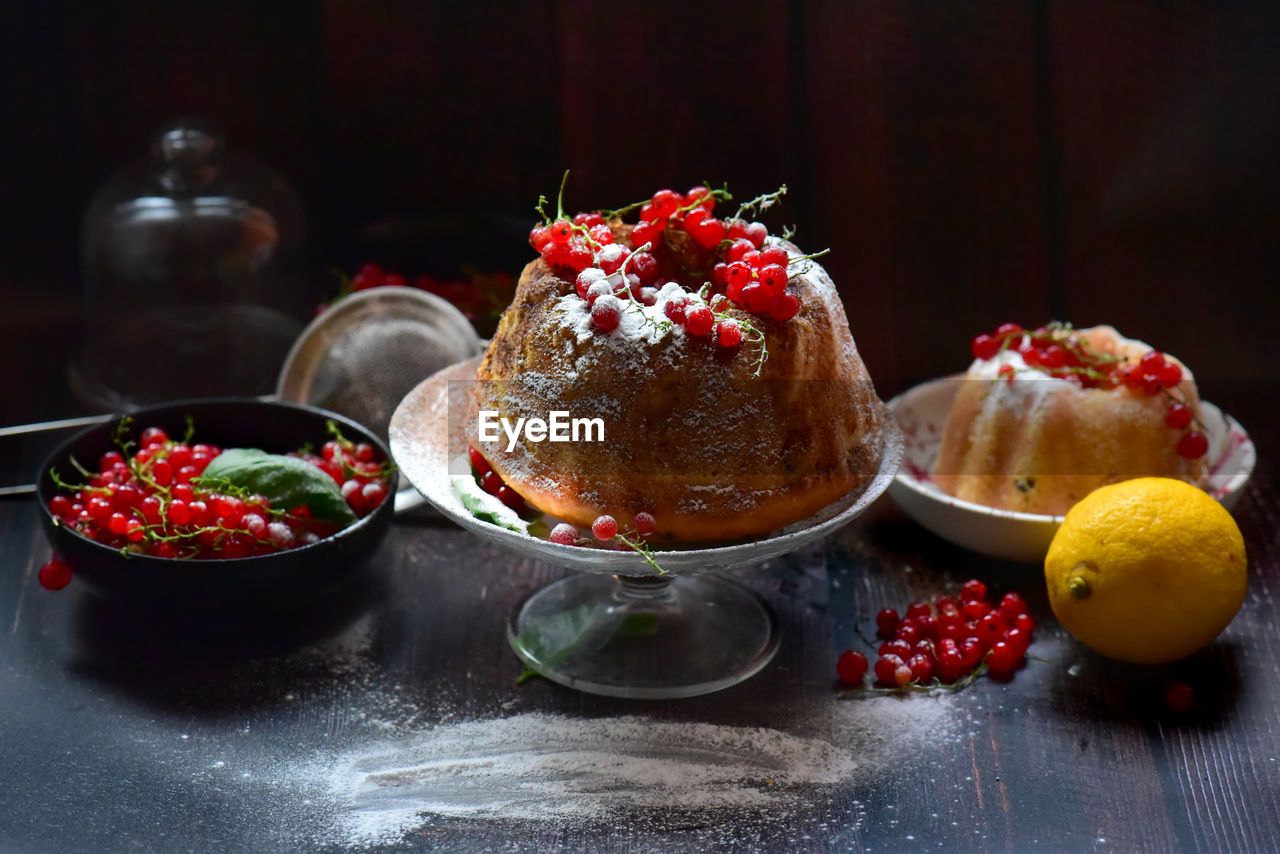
1044 417
717 359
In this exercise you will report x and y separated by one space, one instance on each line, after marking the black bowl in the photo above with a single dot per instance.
293 574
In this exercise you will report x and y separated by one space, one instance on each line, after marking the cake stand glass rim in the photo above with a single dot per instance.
422 455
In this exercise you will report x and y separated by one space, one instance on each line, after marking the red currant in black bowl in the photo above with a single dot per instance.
216 500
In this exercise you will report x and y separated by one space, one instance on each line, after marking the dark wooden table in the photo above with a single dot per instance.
129 730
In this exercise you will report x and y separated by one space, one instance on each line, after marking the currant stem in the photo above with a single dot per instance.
760 203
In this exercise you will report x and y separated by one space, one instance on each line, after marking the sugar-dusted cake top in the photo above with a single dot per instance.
679 270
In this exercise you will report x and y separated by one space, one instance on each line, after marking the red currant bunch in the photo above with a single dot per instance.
148 498
1059 351
944 642
491 482
478 295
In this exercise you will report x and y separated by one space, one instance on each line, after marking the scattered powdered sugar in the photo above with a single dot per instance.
637 322
578 771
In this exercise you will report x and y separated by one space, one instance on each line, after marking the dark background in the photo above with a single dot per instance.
967 163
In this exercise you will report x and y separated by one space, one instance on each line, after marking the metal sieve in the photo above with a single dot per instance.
366 352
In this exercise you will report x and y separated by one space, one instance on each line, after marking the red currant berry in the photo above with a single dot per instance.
150 509
737 275
179 513
851 667
60 506
612 257
720 274
201 514
108 460
645 266
984 346
785 307
1008 330
774 255
506 495
1011 605
757 299
699 320
1181 698
949 666
579 256
1179 416
133 531
971 651
54 575
700 195
601 287
606 313
604 528
491 482
675 308
665 202
737 249
647 232
1193 445
1151 363
564 534
728 333
707 233
375 492
1018 639
918 609
1003 658
645 524
281 536
756 232
601 234
254 524
908 632
887 622
478 463
886 669
162 472
921 668
774 278
153 436
973 590
900 648
560 230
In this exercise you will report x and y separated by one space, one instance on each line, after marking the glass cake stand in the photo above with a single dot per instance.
620 627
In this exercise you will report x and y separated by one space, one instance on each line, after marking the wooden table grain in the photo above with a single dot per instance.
130 730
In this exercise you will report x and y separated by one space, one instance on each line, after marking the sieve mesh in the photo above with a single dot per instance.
362 356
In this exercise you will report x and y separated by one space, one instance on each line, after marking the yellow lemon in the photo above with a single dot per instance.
1146 570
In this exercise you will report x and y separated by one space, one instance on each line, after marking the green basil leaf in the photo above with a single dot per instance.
287 482
485 507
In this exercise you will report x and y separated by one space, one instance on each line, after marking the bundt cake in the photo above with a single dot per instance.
716 358
1045 416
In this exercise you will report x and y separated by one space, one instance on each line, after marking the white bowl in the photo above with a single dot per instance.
922 414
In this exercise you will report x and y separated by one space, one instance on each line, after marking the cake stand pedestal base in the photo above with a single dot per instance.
651 637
